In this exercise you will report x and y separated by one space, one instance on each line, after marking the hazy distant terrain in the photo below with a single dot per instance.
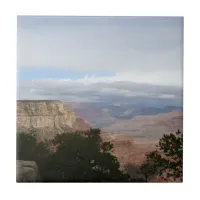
140 122
97 117
148 127
119 110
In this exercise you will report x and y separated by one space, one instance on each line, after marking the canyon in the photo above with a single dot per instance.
131 138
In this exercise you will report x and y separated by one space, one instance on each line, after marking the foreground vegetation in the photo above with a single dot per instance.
167 161
80 156
83 156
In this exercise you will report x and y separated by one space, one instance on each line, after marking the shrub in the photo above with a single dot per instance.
167 161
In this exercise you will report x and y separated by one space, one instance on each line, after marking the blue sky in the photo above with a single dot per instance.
29 74
91 50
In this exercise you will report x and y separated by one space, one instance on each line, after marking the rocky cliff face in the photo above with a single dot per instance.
47 116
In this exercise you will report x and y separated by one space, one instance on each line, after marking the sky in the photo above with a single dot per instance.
98 58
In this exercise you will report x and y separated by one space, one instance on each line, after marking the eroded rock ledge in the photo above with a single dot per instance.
47 116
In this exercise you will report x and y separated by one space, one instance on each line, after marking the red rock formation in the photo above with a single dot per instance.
80 124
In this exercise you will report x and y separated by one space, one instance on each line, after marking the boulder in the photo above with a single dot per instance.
27 171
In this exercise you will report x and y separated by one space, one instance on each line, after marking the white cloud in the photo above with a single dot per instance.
143 52
104 89
167 96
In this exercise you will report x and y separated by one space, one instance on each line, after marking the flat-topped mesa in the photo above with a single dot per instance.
43 108
49 115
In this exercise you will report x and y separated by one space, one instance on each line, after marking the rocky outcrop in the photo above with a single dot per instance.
81 125
47 116
129 151
27 171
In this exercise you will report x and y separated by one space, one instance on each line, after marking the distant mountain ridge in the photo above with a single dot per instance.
104 114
